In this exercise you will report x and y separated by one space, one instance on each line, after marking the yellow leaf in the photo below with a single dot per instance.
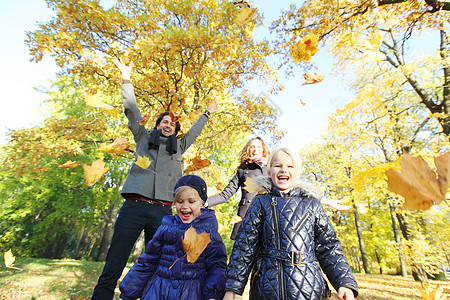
418 183
236 219
251 186
68 164
94 101
245 15
305 49
143 162
313 78
194 244
198 163
429 292
117 147
9 258
94 172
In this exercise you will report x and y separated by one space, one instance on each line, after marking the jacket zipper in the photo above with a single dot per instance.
302 222
277 226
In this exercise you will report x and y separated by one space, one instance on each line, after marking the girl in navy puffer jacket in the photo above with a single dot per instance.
164 264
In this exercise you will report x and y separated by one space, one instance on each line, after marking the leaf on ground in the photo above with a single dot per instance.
429 292
312 78
418 183
94 172
194 244
119 146
143 161
198 163
95 101
69 164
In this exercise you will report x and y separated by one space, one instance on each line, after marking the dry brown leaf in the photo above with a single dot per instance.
194 244
312 78
418 183
241 4
175 118
198 163
144 120
69 164
94 172
119 146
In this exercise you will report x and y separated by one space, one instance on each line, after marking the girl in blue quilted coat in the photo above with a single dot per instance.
163 271
284 238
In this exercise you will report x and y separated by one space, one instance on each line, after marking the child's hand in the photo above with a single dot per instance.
345 293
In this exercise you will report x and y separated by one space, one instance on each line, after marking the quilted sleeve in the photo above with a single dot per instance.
245 248
216 263
330 254
135 282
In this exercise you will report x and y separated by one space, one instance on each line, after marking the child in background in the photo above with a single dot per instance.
284 234
164 265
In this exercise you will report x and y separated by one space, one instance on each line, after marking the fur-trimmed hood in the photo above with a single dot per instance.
264 184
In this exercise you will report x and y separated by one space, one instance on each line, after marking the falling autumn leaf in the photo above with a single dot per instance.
119 146
303 103
194 244
430 292
69 164
245 15
313 78
198 163
305 49
236 219
144 120
9 260
251 186
219 186
175 118
94 172
143 161
94 101
418 183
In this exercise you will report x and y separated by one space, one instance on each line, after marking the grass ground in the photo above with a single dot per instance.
75 280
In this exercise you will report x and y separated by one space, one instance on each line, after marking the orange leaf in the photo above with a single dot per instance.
94 172
175 118
117 147
313 78
194 244
68 164
241 4
198 163
94 101
219 186
143 161
144 120
418 183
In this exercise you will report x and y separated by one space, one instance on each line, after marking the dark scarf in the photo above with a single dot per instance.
154 141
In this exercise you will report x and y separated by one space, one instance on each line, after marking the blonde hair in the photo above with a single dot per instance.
295 158
185 191
245 151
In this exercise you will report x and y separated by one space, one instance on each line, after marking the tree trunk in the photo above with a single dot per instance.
108 232
95 241
378 260
140 244
362 247
398 241
82 243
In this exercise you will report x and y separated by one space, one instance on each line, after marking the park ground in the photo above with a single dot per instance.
75 280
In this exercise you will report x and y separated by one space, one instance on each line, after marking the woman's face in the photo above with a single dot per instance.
255 150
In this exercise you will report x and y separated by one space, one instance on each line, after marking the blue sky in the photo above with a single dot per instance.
20 77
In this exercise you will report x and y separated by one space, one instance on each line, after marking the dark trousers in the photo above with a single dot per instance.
134 216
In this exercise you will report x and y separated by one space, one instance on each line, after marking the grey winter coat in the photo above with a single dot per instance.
284 239
158 180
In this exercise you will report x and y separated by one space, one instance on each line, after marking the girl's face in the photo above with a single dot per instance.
283 173
255 150
188 206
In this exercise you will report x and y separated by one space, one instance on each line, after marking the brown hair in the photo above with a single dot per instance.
244 152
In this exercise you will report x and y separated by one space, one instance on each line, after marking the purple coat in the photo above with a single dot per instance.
203 279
